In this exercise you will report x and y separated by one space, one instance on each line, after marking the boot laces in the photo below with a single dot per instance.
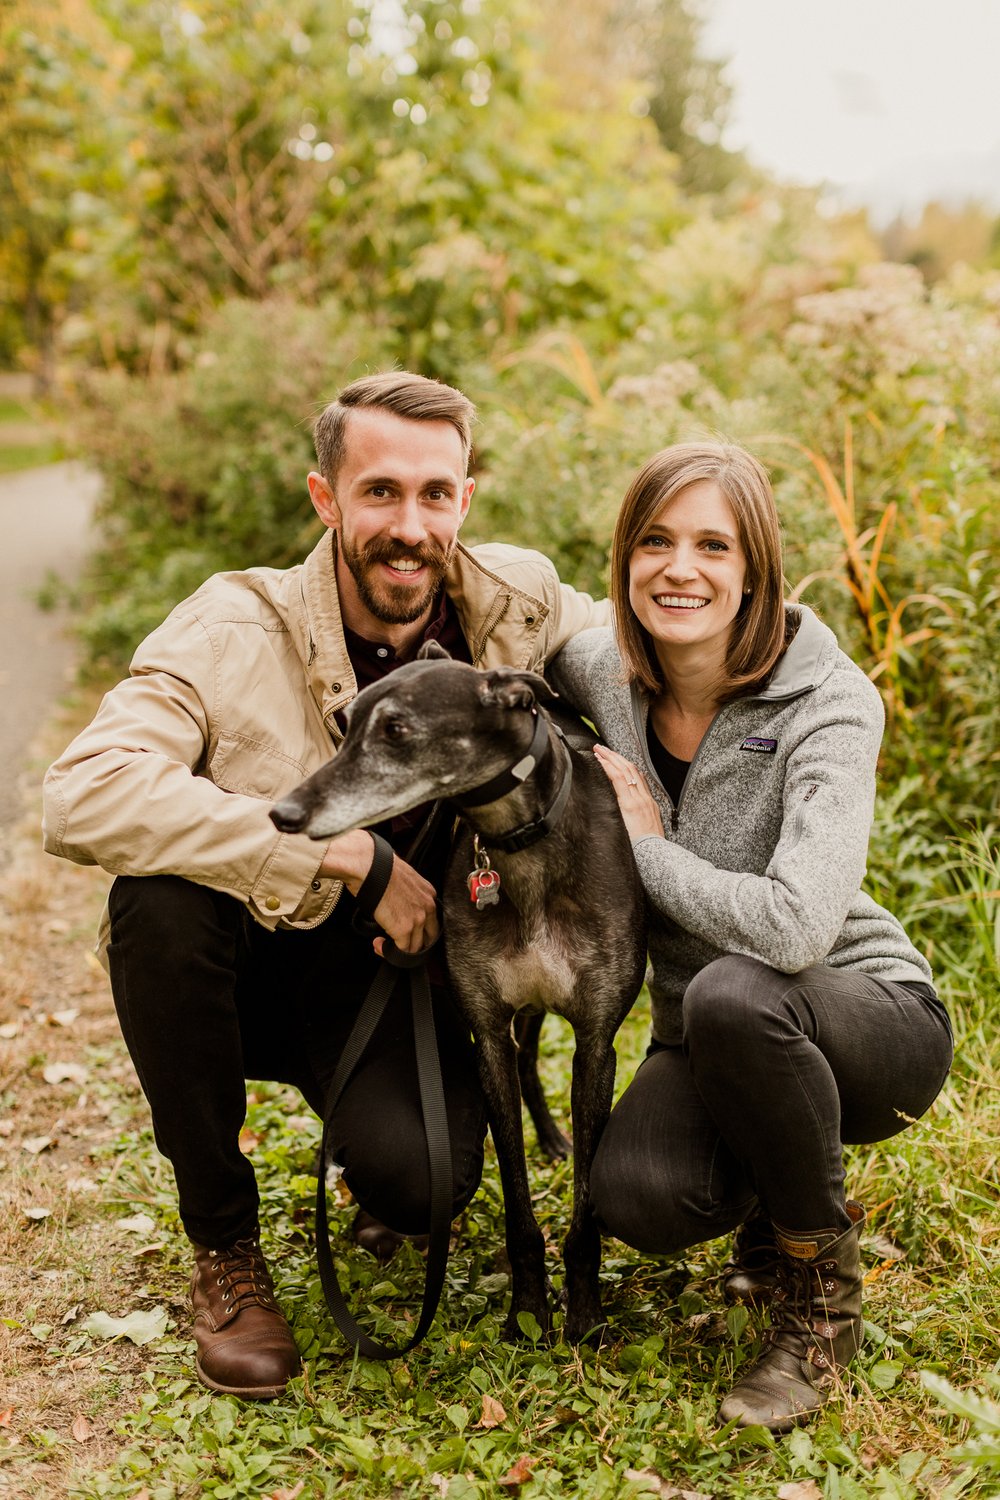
242 1276
794 1309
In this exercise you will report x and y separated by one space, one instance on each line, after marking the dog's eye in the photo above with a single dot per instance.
395 729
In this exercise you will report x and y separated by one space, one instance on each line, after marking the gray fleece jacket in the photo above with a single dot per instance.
765 853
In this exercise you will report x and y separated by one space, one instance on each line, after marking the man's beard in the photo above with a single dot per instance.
394 604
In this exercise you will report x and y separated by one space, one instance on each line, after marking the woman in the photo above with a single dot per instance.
791 1013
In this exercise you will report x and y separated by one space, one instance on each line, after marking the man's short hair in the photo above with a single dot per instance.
414 397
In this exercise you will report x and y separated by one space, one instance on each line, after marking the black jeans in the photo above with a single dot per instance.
207 998
776 1072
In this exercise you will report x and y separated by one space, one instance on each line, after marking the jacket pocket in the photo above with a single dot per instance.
242 764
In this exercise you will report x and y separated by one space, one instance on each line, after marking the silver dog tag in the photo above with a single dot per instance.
484 888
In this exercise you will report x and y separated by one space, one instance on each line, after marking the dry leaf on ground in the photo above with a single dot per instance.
655 1484
81 1429
65 1073
493 1415
519 1473
801 1489
142 1327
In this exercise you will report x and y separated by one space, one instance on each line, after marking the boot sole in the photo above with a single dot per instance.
246 1392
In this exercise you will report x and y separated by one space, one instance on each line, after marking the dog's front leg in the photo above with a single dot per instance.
593 1087
525 1245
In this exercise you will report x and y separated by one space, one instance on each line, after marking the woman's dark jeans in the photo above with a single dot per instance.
207 998
775 1073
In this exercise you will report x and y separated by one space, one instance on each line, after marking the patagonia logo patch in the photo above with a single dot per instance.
759 746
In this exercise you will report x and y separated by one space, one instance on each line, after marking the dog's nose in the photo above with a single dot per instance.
288 815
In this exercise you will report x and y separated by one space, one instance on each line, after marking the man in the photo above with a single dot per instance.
230 947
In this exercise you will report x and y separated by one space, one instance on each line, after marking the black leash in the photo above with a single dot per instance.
395 966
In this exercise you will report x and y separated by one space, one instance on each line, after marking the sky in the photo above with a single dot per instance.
891 102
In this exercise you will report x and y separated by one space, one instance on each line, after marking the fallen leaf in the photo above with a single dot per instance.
81 1429
882 1245
35 1144
292 1494
140 1327
65 1073
801 1489
81 1185
5 1416
138 1224
153 1248
249 1141
493 1413
57 925
9 1030
656 1484
142 1494
6 1127
36 1213
519 1473
61 1017
71 1314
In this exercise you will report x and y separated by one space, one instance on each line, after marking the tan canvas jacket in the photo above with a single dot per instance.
231 702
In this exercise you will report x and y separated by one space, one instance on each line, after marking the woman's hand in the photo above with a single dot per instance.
639 811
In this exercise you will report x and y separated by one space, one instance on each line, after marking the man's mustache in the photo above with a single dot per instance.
380 550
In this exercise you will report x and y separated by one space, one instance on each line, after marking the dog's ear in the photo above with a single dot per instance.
432 651
510 689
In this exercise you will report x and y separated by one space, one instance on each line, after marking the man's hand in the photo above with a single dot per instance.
407 912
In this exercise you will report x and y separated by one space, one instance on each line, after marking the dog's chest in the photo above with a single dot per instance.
541 973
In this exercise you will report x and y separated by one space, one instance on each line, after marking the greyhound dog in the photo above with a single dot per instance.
542 909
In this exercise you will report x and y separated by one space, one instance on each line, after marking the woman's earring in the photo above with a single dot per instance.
747 591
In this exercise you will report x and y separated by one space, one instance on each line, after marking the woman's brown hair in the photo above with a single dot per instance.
758 637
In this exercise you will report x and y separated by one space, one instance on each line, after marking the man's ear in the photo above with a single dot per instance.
324 501
470 485
507 688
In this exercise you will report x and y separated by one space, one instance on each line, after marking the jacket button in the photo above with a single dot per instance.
272 903
529 619
334 687
317 885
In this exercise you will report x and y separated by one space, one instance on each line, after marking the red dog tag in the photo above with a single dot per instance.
484 888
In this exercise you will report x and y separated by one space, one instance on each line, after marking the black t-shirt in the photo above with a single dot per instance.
670 770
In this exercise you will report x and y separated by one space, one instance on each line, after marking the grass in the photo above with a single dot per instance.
92 1417
26 440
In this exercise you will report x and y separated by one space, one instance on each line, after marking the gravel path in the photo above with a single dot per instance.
45 517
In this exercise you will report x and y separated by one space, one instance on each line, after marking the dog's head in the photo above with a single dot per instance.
433 728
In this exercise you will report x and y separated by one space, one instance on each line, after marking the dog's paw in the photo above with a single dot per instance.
586 1326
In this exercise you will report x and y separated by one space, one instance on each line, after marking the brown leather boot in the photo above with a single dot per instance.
245 1346
750 1275
816 1328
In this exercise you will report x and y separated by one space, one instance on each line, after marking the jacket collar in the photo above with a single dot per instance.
809 659
481 598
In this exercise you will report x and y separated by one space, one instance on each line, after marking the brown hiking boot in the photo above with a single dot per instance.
750 1275
816 1329
245 1346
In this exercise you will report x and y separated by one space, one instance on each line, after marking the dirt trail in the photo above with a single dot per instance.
45 517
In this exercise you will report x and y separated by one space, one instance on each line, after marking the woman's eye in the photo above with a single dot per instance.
717 547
